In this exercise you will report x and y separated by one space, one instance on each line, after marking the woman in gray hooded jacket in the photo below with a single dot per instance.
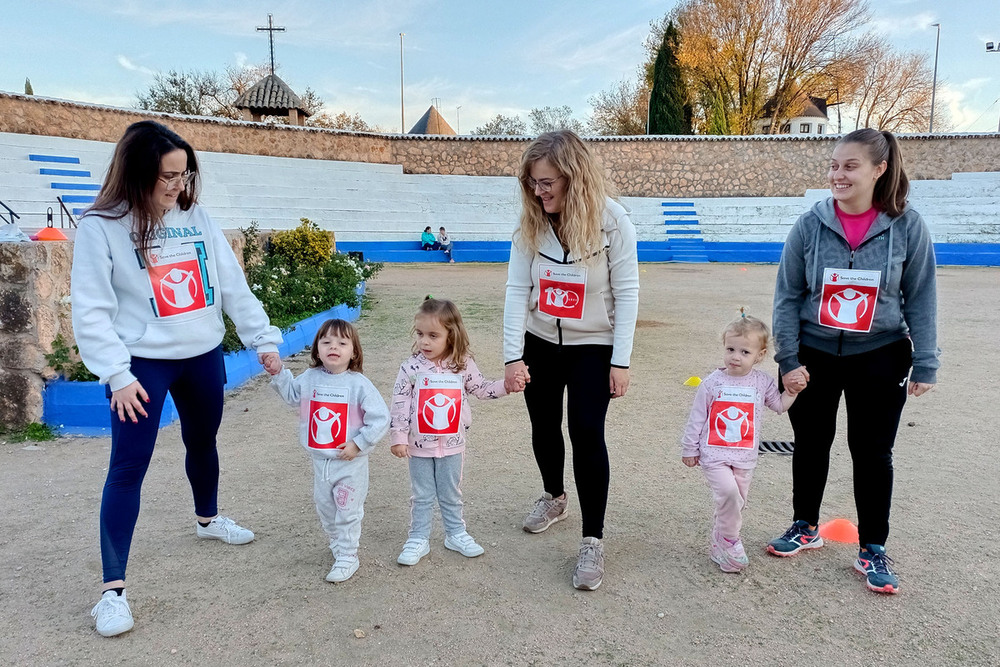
855 313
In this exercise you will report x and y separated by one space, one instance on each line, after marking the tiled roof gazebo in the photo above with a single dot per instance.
271 97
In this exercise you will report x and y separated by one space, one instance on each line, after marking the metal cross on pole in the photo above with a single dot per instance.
270 29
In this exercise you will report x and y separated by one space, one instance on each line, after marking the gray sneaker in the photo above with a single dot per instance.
547 511
589 572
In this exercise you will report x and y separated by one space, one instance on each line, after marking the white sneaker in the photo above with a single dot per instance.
112 614
343 569
413 551
225 529
463 544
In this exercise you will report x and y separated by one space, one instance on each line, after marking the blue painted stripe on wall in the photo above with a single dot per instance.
75 186
54 158
679 213
750 252
689 204
680 222
78 199
44 171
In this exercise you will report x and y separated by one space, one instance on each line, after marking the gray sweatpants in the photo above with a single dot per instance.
432 478
339 489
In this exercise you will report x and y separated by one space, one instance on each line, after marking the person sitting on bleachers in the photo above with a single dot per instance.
427 240
445 244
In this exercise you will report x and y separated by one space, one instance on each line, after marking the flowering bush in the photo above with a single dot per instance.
295 282
306 244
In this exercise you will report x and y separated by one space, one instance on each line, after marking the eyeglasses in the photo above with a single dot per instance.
545 185
177 179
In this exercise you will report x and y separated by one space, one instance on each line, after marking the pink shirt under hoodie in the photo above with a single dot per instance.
403 424
695 439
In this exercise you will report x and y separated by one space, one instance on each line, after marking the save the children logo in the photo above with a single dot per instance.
562 290
439 404
732 418
848 299
178 278
328 422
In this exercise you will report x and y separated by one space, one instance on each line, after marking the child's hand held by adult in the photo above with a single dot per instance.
127 401
271 361
515 375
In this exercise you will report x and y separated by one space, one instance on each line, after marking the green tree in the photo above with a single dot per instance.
501 125
669 112
192 93
28 90
718 122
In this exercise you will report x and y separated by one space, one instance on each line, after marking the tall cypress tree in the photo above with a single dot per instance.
28 90
667 113
718 123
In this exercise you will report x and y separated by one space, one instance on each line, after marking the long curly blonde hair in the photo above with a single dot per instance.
579 226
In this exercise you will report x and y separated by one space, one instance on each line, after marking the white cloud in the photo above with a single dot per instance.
901 26
132 67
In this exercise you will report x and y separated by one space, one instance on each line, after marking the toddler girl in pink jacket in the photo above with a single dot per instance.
723 432
429 416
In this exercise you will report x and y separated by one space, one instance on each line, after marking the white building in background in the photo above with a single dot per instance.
809 117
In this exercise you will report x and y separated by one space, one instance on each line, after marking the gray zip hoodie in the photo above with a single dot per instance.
907 299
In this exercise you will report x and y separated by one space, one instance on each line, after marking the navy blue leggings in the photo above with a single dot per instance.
196 385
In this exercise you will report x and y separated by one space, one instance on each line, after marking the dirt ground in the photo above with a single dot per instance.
662 601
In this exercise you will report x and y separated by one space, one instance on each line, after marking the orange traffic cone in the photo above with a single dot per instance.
50 234
839 530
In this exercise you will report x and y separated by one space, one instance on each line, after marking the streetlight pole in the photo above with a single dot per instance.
937 43
993 48
458 123
402 121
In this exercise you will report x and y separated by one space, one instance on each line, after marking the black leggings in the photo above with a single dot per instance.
874 387
582 372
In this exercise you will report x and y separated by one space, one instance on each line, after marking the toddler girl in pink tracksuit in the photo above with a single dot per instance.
722 432
430 414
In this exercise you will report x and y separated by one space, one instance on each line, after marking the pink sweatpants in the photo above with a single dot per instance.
729 491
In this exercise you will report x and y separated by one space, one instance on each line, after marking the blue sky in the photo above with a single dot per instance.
486 57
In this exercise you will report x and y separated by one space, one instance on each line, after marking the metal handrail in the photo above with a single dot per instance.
13 216
63 209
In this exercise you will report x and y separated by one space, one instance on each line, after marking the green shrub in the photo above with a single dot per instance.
292 283
306 244
66 361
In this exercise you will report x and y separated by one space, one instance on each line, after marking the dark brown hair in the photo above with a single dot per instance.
132 176
344 329
447 315
892 187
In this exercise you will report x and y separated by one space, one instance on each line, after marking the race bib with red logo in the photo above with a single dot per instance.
175 274
328 425
731 418
562 289
849 298
439 403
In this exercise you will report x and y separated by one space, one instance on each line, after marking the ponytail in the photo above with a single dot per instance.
892 187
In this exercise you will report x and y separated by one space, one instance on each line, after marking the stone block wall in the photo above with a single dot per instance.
761 166
34 309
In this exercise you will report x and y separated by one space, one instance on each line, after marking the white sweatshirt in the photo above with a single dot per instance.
334 408
169 307
611 302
